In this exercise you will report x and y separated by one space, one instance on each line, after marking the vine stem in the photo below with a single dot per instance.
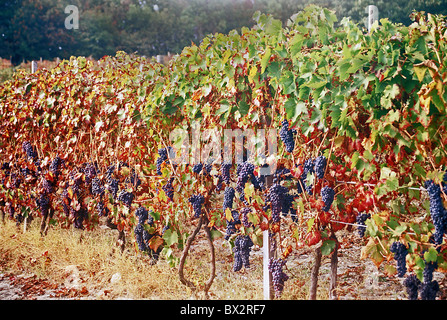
203 219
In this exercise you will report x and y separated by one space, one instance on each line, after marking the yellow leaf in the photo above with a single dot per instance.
228 214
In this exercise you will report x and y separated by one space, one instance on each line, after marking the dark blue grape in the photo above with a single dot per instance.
275 266
126 197
286 136
197 168
197 201
228 198
97 187
225 172
400 253
327 195
276 197
437 210
361 218
429 290
412 285
169 189
320 166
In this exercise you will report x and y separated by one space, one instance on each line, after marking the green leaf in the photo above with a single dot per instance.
327 247
431 255
171 237
265 59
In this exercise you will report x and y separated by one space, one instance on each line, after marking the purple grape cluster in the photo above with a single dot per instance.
101 209
228 198
400 254
327 195
126 197
437 210
55 166
30 151
276 198
361 218
287 204
242 248
142 214
112 187
197 201
429 290
412 285
225 172
307 169
97 187
286 136
169 189
275 266
320 166
43 203
231 225
197 168
428 271
162 157
244 213
47 186
244 172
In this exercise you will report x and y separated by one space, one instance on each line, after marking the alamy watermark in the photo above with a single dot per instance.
197 145
72 20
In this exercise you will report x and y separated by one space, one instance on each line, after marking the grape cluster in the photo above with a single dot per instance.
126 197
400 254
142 214
428 271
197 168
101 209
163 156
327 195
242 248
437 210
287 205
275 266
361 218
286 136
112 187
412 285
197 201
43 203
429 290
228 198
244 172
55 166
47 186
31 153
225 172
142 236
244 213
97 187
282 174
307 169
320 166
231 225
169 189
276 197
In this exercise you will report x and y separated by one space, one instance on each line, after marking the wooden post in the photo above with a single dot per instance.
314 274
267 253
373 16
33 66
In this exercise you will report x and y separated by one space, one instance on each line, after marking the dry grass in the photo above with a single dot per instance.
91 259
